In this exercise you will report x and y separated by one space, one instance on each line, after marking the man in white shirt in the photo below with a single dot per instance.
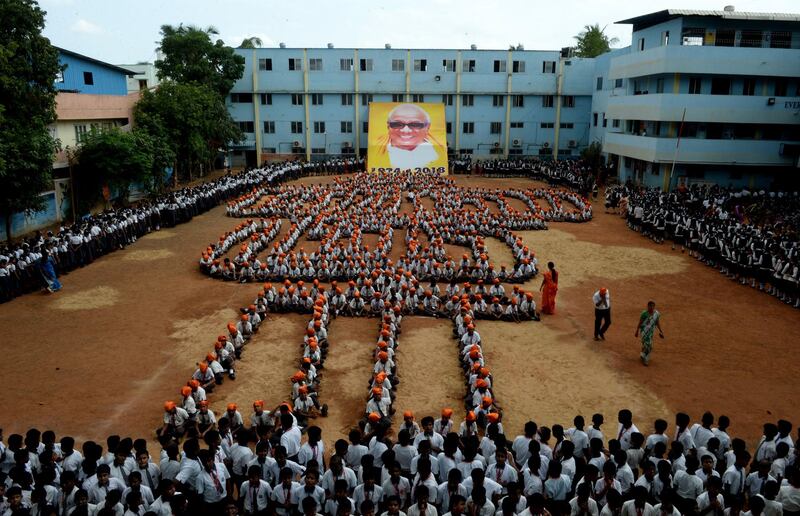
583 504
211 483
255 492
638 506
602 313
291 437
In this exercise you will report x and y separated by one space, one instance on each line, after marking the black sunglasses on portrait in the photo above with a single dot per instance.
411 125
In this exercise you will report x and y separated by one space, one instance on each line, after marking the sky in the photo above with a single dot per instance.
127 31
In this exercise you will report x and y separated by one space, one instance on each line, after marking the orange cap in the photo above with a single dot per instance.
382 355
258 403
374 417
194 384
377 391
408 415
447 412
186 391
232 407
169 406
471 416
493 417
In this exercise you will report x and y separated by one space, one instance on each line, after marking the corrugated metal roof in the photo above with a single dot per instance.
667 14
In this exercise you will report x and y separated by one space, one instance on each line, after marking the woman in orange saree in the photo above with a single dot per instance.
549 289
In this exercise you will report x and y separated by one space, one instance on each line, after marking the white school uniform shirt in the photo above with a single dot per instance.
316 452
704 500
212 491
260 493
282 494
701 435
687 485
353 456
629 509
789 496
329 479
603 303
674 512
290 439
360 494
754 483
590 503
624 435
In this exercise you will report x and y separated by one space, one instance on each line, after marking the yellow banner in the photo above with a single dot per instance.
407 136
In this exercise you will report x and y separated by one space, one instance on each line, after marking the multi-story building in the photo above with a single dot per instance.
709 96
145 78
91 93
313 102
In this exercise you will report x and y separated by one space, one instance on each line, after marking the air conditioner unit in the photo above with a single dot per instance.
546 144
296 143
496 145
573 144
517 143
347 145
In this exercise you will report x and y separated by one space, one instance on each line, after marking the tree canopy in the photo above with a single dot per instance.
251 42
593 41
190 57
190 120
28 69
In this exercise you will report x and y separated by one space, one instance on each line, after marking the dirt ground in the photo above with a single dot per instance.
102 356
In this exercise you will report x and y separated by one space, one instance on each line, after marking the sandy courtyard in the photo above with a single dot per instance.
125 333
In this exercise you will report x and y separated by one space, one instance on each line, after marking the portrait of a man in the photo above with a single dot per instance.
409 141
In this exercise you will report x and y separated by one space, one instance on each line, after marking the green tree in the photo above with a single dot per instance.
28 68
593 156
593 41
188 120
114 158
190 57
251 42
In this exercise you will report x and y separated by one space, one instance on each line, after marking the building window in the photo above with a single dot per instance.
346 64
640 46
269 127
297 99
517 101
80 133
449 127
566 125
468 128
547 101
780 39
348 149
514 152
315 64
266 99
365 127
496 150
265 64
749 87
695 85
781 87
615 123
297 127
594 119
660 85
618 83
447 99
548 67
317 150
545 151
347 99
599 85
142 84
346 127
720 86
397 97
468 65
398 65
467 151
269 150
517 125
693 36
725 38
448 65
518 66
547 125
565 152
298 149
88 78
417 97
365 65
467 100
60 76
319 127
664 38
497 100
316 99
366 98
499 66
295 64
752 39
420 65
246 127
495 127
242 98
568 101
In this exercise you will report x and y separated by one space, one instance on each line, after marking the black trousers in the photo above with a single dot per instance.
602 320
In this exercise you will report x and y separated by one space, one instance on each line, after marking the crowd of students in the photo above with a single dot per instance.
25 266
575 174
277 464
752 237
